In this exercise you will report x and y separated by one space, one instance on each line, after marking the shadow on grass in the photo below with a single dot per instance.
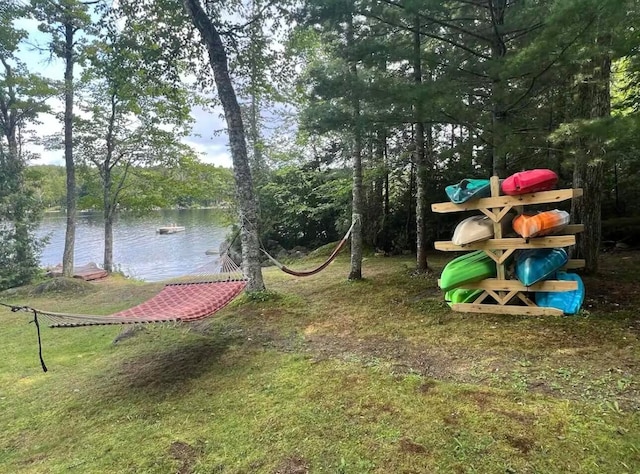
170 369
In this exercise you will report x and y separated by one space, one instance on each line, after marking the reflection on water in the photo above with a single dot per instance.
138 250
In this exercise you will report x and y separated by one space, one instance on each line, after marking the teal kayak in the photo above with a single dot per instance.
467 268
569 302
461 295
536 265
468 189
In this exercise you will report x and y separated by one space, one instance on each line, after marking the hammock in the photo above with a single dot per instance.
183 300
319 268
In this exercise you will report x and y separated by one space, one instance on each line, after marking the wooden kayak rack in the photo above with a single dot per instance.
510 295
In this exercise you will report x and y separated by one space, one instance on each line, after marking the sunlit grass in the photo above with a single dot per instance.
321 374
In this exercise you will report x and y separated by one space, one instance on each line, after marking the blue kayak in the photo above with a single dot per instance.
569 302
536 265
468 189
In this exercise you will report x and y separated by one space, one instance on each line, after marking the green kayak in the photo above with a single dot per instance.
461 295
467 268
468 189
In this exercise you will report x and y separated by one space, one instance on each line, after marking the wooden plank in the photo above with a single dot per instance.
482 297
525 299
506 255
497 230
508 309
502 298
543 197
510 243
573 229
575 263
509 285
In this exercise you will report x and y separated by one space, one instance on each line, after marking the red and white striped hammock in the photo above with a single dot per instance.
191 298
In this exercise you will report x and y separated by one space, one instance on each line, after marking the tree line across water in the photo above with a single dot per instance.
335 110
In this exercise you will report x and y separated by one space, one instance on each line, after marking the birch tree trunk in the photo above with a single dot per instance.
355 272
70 234
237 144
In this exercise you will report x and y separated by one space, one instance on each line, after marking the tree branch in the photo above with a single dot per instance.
442 23
430 35
549 66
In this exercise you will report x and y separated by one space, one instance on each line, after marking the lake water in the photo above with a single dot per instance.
138 250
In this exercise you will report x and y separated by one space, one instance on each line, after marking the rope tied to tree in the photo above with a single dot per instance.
319 268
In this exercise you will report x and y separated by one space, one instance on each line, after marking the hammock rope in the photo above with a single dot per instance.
319 268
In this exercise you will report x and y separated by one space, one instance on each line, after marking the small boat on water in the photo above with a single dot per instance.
170 229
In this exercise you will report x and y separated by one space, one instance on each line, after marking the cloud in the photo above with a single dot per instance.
213 153
209 138
211 147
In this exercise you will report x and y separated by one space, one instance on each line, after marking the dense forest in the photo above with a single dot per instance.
337 111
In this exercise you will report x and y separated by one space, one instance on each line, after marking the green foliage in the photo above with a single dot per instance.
305 207
190 183
19 249
48 184
193 183
22 97
134 117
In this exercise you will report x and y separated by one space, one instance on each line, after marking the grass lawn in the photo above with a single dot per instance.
326 375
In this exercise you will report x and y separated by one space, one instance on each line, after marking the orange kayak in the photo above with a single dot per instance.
544 223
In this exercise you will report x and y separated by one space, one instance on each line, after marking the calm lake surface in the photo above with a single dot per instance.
138 250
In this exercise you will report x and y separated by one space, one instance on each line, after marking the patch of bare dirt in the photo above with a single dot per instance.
427 386
293 465
186 454
409 446
604 294
522 444
405 358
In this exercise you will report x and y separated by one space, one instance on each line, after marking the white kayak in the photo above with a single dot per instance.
477 228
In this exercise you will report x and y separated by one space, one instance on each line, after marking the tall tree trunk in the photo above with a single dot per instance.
407 226
108 220
108 240
594 101
70 235
355 272
381 236
108 196
498 117
420 159
237 144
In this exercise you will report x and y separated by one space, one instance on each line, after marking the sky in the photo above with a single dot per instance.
211 148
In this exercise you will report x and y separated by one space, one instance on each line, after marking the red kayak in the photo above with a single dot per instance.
531 181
